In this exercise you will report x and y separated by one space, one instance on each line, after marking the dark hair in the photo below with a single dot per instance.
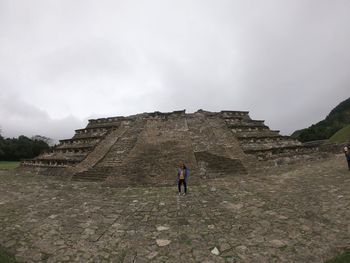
184 166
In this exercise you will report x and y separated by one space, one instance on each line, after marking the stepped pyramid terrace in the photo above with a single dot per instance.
146 148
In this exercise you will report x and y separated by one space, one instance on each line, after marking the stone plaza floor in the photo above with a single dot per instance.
294 213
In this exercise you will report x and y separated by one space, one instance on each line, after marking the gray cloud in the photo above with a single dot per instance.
18 118
63 62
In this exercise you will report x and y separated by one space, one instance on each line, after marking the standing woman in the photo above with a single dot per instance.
347 155
184 168
182 177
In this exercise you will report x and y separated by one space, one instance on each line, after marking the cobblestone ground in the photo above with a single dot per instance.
296 213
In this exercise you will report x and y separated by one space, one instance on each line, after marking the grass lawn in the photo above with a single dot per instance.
342 258
343 135
8 165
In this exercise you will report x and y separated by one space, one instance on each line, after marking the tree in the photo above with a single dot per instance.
15 149
48 140
1 146
338 118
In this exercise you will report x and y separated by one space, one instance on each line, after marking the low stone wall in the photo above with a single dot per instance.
334 147
325 146
62 172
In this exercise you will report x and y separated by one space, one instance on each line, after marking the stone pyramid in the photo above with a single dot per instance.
146 149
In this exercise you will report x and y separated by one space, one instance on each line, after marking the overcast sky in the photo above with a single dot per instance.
63 62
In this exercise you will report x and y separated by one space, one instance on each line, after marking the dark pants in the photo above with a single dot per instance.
348 165
182 181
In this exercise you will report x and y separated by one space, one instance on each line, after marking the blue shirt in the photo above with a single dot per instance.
347 154
185 174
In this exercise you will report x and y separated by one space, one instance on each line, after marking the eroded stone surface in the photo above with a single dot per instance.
296 213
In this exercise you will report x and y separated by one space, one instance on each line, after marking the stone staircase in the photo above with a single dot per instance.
148 154
100 151
112 160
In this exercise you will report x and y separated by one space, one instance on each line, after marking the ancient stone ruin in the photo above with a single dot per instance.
146 148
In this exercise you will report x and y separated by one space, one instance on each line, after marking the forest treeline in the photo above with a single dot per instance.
337 119
16 149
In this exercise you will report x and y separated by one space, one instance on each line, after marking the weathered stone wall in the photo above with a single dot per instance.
147 148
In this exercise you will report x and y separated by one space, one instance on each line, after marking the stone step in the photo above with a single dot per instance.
121 149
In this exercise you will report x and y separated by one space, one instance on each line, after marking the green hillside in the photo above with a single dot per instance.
337 119
343 135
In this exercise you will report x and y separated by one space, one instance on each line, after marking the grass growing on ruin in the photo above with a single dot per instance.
5 257
8 165
342 258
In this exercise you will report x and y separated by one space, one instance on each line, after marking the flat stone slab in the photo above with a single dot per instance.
296 213
162 228
163 242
